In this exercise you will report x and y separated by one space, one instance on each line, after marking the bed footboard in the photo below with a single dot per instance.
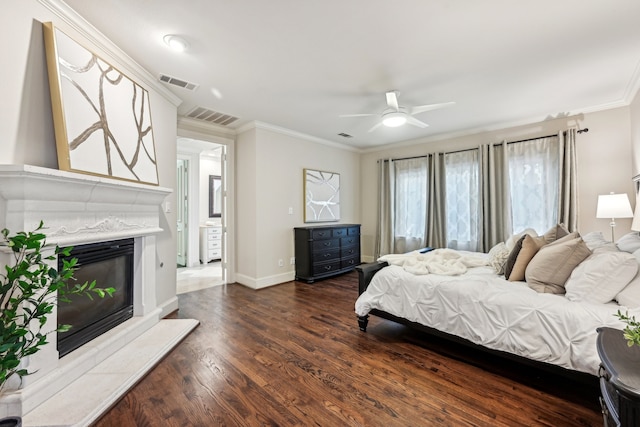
366 273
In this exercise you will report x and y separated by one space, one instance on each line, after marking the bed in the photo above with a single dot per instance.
551 322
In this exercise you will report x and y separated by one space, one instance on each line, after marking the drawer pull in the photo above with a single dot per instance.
327 243
327 267
327 255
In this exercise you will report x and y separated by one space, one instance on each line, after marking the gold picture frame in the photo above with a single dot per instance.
101 117
321 196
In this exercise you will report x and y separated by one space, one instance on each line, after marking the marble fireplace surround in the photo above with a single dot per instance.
79 209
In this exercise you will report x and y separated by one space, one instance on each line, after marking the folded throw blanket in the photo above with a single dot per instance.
447 262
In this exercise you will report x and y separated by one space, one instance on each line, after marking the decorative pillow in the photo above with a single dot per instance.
510 243
556 232
498 257
630 242
549 270
513 256
630 295
530 246
595 239
601 276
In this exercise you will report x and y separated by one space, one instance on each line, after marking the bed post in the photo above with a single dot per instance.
362 322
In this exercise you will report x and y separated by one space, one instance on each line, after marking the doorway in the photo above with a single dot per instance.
182 212
204 211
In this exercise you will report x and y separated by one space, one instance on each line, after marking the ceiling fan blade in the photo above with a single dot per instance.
357 115
392 100
376 126
413 121
422 108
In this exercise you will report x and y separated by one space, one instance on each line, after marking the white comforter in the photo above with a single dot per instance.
447 262
488 310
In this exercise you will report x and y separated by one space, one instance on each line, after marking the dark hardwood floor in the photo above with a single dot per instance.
292 355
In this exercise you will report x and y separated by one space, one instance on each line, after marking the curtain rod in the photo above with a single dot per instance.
585 130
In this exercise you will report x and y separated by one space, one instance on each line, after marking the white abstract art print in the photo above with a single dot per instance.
101 117
322 196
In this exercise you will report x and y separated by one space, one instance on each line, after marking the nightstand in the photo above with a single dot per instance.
619 379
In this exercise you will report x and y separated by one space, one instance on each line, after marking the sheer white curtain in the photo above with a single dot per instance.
533 179
410 204
462 195
402 205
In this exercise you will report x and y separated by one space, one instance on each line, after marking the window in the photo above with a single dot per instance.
462 199
410 203
533 181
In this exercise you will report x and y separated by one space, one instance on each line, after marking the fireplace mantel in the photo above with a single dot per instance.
78 208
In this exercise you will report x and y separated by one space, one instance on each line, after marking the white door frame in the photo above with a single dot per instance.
193 229
189 128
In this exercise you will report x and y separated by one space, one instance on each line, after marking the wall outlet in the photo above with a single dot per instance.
280 263
290 211
292 261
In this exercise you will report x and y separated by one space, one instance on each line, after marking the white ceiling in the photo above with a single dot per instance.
299 64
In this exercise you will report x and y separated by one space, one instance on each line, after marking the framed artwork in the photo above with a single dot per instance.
101 117
215 196
321 196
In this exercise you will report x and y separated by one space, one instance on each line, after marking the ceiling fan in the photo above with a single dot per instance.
397 115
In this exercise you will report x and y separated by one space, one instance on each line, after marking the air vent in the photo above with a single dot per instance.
211 116
345 135
177 82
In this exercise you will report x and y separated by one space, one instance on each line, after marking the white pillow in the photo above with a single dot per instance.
630 295
498 257
594 240
630 242
600 277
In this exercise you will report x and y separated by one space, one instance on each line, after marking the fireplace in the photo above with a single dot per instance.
110 264
80 210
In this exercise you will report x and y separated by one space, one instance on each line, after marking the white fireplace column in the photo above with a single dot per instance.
78 209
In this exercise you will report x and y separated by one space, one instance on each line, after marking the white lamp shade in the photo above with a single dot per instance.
614 206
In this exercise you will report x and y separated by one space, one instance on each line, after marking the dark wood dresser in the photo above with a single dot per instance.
619 379
326 250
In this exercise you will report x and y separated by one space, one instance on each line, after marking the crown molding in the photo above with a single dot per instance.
210 131
294 134
71 18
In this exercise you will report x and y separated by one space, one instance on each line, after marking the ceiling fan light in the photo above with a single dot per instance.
393 120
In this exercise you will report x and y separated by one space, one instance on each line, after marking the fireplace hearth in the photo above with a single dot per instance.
110 264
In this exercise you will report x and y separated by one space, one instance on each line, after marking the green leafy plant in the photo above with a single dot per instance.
28 289
632 331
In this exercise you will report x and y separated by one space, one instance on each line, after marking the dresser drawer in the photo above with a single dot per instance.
349 241
350 251
339 232
324 255
321 233
214 234
213 244
327 267
350 262
353 231
325 244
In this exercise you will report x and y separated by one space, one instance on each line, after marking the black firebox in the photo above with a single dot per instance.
110 264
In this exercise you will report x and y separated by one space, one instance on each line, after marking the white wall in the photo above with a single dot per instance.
269 171
26 124
602 155
634 117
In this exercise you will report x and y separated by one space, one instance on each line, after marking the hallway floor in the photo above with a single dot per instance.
191 279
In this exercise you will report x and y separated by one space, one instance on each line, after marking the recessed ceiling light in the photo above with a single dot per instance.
176 43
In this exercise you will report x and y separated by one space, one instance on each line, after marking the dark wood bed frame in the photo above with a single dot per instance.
366 273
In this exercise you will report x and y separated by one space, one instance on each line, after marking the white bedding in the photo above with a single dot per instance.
488 310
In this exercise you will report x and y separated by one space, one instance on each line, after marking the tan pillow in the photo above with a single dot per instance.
549 270
556 232
530 246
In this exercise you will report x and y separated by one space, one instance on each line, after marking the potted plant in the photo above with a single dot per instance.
28 291
632 331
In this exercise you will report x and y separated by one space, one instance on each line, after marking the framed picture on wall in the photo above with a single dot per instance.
102 118
215 196
321 196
